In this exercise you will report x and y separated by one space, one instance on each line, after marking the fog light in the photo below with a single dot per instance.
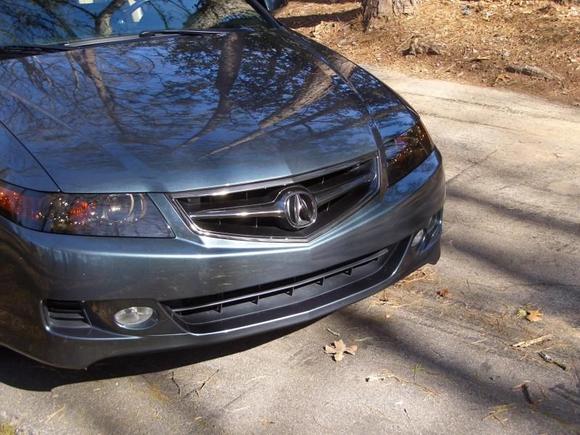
136 317
418 239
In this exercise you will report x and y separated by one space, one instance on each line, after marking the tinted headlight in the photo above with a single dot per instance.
406 151
114 215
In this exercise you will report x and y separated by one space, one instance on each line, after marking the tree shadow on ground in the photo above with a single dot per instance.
550 222
475 385
546 272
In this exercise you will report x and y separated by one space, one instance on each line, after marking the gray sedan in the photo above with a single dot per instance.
177 174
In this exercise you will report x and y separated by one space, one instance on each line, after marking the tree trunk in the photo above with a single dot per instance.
103 20
375 10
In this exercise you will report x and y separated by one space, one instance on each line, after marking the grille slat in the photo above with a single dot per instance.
268 301
257 211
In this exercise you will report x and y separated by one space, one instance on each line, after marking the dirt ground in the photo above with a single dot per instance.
482 42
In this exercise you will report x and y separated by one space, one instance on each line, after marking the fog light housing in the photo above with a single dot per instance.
418 239
434 224
136 317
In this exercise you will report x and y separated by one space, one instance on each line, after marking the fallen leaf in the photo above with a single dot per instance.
443 293
534 315
383 298
337 349
521 313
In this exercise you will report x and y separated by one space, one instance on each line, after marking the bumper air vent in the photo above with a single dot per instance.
66 314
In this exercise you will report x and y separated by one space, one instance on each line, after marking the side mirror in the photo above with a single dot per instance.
273 5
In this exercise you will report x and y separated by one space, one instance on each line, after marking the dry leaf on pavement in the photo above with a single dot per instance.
534 315
337 349
530 315
521 313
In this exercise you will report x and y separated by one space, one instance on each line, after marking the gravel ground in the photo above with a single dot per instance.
437 364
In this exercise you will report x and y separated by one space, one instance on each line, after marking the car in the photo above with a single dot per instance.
185 174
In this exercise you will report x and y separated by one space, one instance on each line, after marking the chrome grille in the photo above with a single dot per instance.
257 211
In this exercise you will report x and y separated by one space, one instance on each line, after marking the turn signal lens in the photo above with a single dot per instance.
21 206
115 215
407 151
10 200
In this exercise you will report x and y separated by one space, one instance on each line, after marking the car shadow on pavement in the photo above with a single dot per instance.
21 372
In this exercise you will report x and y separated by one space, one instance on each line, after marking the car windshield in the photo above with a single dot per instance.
49 22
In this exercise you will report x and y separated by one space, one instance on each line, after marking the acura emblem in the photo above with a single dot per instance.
300 208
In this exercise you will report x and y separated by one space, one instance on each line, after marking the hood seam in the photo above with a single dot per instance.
26 149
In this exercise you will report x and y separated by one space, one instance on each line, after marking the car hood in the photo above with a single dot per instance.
175 113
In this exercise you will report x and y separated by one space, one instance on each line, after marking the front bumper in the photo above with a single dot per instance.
105 274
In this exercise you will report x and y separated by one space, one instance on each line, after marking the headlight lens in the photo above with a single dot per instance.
406 151
115 215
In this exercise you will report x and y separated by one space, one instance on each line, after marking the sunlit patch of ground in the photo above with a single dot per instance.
479 41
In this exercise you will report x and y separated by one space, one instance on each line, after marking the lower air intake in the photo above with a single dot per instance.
66 314
284 298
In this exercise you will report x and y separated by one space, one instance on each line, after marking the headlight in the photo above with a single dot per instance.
115 215
406 151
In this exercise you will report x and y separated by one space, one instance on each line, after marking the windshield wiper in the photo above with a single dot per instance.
99 41
145 34
193 32
30 49
35 49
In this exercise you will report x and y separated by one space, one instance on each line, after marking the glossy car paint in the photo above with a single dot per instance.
172 114
181 113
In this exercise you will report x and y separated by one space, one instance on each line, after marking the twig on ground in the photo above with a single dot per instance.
526 392
532 71
336 334
496 411
175 383
387 375
54 414
360 340
527 343
203 384
550 359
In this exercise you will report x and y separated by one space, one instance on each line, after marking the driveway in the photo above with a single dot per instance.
425 362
